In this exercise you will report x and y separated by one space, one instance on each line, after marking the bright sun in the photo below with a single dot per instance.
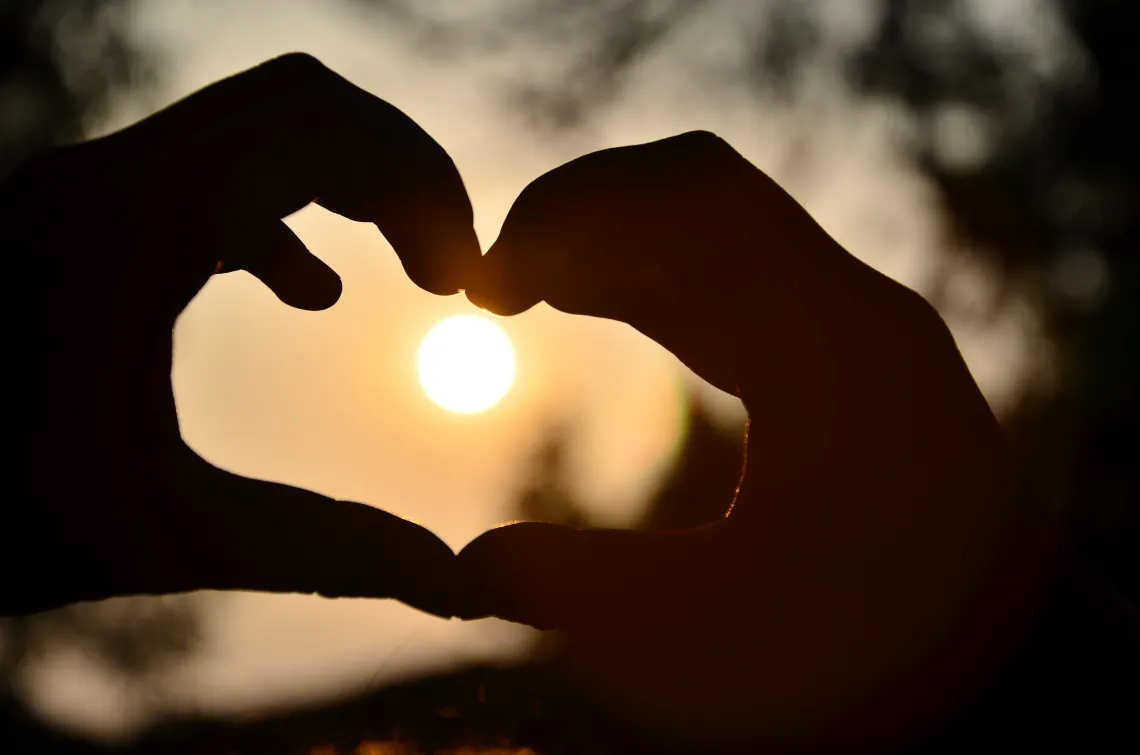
466 364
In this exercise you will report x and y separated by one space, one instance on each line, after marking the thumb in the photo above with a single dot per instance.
191 526
519 572
597 581
244 534
201 528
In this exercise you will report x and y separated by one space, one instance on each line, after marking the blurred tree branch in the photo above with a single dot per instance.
62 63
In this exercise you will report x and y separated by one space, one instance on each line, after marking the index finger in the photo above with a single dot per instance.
268 141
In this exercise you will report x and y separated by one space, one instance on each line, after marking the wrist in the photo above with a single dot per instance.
999 618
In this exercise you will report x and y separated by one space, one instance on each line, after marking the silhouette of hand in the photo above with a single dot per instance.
106 243
875 511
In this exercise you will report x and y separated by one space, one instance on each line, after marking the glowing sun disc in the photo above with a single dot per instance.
466 364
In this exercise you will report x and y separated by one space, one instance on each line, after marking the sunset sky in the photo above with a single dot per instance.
330 401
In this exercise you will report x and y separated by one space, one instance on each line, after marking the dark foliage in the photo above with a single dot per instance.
61 64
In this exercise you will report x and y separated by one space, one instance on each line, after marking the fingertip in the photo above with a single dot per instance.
440 258
515 572
295 62
427 579
498 304
302 281
425 213
502 282
320 291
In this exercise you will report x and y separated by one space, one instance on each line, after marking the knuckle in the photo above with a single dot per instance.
915 304
704 152
920 314
298 64
293 69
700 137
533 193
704 143
536 202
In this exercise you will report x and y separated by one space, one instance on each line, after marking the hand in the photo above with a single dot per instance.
875 510
105 243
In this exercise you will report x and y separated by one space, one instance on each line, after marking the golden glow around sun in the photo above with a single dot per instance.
466 364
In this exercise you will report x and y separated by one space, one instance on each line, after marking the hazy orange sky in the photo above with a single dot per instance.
329 401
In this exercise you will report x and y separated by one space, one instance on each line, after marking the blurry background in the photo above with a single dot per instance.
983 153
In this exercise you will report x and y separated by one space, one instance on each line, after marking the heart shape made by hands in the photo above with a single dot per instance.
874 516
